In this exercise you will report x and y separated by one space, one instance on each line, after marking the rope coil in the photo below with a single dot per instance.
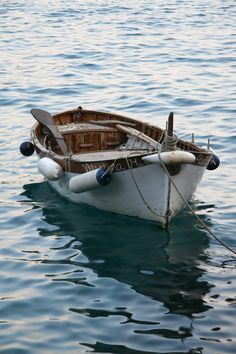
169 143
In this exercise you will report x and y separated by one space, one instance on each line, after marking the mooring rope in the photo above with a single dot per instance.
191 209
139 191
67 166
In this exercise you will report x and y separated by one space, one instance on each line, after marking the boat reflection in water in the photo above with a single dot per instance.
164 266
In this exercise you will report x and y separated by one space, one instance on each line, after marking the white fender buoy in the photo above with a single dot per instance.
50 169
171 157
90 180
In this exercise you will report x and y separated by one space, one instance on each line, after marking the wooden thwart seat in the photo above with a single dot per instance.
112 122
107 155
84 128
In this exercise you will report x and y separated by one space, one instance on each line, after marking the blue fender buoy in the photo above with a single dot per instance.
103 176
88 181
27 148
214 162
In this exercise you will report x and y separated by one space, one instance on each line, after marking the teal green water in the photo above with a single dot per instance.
74 279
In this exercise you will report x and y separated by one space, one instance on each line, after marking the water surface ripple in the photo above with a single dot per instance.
77 280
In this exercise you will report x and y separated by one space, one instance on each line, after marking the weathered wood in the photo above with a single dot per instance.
86 145
107 155
101 142
83 127
137 134
112 122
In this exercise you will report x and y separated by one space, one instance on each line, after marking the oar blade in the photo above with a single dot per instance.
45 118
42 116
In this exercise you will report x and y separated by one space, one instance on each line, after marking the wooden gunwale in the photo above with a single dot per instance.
88 138
147 128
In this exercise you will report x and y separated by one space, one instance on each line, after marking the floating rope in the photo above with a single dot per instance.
192 211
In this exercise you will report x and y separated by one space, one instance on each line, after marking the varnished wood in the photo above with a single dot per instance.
101 138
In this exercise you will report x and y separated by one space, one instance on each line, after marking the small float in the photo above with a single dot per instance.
116 163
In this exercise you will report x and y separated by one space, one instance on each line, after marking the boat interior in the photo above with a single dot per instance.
91 135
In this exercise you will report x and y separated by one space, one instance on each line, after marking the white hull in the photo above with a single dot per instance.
143 192
118 164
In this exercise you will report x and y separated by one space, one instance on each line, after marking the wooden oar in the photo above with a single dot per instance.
45 118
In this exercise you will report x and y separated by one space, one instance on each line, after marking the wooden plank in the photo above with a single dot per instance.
139 135
112 122
107 155
86 145
83 127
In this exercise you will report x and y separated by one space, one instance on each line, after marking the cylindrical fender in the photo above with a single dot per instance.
50 169
90 180
171 157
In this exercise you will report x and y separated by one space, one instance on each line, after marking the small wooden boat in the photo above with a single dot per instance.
118 164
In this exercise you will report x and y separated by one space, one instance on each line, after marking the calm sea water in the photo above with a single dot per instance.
77 280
